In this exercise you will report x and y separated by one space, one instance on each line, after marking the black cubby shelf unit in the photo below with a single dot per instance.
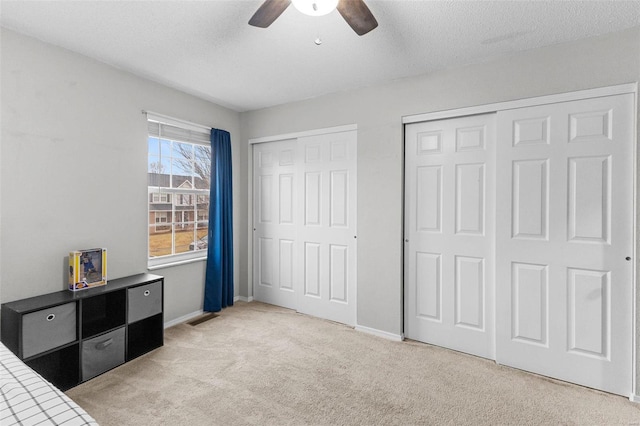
70 337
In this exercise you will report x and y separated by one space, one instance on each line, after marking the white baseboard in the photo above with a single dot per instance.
380 333
634 398
183 318
243 299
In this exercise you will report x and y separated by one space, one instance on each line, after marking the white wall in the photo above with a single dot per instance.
73 169
378 112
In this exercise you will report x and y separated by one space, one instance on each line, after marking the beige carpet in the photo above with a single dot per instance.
257 364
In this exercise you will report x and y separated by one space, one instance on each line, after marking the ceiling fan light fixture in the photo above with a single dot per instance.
315 7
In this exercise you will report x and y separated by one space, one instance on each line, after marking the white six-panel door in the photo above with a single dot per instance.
328 226
450 233
275 223
565 241
304 237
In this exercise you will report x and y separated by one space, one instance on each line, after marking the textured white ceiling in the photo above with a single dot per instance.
207 48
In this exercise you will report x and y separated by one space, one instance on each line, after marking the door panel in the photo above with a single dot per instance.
530 199
469 292
470 198
564 286
287 264
339 285
265 262
450 233
428 294
529 302
589 199
428 202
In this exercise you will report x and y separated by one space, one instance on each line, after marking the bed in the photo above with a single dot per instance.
28 399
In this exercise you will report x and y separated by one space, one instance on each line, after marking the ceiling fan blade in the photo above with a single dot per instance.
357 15
268 12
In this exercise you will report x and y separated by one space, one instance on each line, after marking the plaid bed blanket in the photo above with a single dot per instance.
28 399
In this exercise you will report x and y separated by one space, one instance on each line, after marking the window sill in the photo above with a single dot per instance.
172 263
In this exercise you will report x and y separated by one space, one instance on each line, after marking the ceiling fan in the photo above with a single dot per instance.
355 12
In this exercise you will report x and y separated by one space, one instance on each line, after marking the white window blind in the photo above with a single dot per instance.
168 131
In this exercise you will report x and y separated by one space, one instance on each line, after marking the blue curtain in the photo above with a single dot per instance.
218 288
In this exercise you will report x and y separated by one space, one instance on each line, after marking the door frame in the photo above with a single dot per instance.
537 101
250 207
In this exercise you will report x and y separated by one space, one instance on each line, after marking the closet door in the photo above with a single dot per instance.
565 241
327 231
275 222
449 233
304 237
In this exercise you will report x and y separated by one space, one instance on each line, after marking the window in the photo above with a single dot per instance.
178 173
159 198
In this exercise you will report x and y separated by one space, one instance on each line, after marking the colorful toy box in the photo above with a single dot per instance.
87 268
